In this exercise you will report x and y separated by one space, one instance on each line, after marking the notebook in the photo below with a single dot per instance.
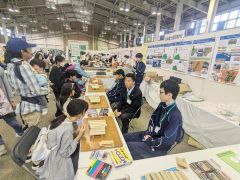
231 158
99 170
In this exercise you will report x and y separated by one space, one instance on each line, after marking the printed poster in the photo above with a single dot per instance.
200 57
181 56
227 61
167 56
155 55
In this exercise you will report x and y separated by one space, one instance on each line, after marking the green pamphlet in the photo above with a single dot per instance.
231 158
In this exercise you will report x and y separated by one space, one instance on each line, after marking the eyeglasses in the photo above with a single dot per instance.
161 92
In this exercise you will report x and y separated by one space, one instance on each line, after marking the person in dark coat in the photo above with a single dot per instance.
56 76
164 128
140 69
114 95
130 104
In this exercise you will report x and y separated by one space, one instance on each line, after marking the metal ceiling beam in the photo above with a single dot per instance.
195 5
228 6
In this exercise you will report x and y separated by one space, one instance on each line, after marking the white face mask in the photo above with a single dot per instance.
79 122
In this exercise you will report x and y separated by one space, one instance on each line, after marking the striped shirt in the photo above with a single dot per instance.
30 89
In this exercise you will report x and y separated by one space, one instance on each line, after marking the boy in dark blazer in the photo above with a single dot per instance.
164 128
130 104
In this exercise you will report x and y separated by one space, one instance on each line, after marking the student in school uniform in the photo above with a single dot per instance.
114 95
63 141
164 127
71 77
140 69
130 104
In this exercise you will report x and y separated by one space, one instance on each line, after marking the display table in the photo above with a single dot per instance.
84 160
203 122
140 167
151 92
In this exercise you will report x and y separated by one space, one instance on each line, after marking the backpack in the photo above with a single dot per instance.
39 150
5 106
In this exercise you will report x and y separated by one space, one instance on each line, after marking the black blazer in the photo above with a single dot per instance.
136 102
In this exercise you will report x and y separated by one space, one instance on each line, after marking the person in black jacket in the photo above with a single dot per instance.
114 95
130 104
164 128
57 76
140 69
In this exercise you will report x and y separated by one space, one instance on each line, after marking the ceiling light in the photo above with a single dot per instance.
121 6
139 24
34 30
111 20
154 10
106 28
109 28
159 12
16 9
135 22
53 5
115 21
10 8
127 7
6 18
48 4
44 26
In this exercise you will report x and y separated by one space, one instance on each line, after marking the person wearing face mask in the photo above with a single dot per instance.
24 81
66 95
164 128
56 76
62 162
71 77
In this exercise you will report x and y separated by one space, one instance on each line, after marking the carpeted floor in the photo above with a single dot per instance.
10 171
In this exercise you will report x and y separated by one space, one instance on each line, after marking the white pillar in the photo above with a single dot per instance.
130 35
24 31
145 30
178 16
121 40
158 24
197 27
4 28
212 9
125 39
15 28
135 36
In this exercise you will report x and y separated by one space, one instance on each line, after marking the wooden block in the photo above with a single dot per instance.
178 175
95 86
106 143
94 99
174 177
159 176
183 175
103 102
181 162
111 133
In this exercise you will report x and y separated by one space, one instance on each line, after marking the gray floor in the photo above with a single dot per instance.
10 171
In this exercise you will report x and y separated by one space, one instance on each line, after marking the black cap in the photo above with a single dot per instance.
139 55
119 72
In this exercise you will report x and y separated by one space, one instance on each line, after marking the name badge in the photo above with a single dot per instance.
129 101
157 129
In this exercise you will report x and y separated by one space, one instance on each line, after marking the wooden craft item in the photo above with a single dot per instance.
111 134
95 86
95 104
97 127
181 162
107 143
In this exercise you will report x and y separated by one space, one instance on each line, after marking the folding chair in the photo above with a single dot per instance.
178 141
134 117
21 149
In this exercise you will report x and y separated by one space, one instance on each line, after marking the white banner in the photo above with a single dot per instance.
174 35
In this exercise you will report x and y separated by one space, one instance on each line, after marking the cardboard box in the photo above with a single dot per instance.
184 88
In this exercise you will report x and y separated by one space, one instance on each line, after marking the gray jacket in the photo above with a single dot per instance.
58 165
5 86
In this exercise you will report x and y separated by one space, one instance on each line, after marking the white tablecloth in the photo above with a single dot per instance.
203 122
140 167
151 93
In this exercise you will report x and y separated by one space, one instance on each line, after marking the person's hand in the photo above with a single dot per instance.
13 105
81 131
146 137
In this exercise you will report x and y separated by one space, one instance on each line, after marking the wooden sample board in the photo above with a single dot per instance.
101 89
103 103
96 81
111 134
